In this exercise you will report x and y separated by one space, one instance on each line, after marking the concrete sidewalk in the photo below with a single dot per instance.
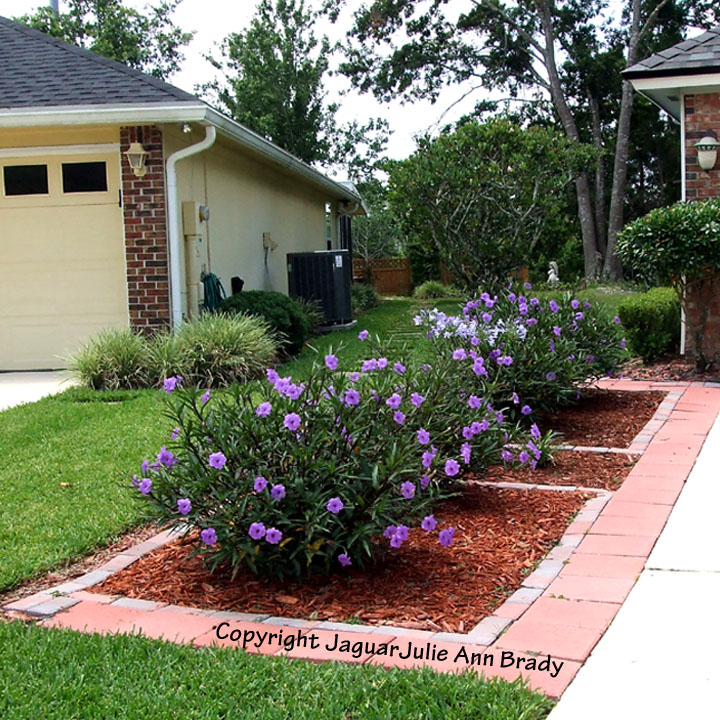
17 388
658 659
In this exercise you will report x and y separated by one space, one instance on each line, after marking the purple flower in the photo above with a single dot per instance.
396 541
260 484
500 417
273 536
579 316
362 335
335 505
408 490
423 436
429 523
145 486
623 343
352 397
277 492
452 468
474 402
208 536
205 397
344 560
354 376
616 320
467 433
575 304
465 451
445 537
184 506
474 341
553 306
145 467
526 410
399 368
459 354
506 455
217 460
527 286
257 531
506 360
389 531
424 481
417 400
535 431
557 330
272 376
402 532
394 401
331 362
399 417
552 346
174 434
512 297
523 457
427 458
293 391
551 376
263 409
486 317
166 458
171 383
382 363
292 421
515 398
531 321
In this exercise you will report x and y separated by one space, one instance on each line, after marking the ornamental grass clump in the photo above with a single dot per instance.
529 352
286 477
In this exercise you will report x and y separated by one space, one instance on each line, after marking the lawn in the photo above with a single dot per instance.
69 676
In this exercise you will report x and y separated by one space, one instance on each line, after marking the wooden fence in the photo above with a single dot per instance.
389 276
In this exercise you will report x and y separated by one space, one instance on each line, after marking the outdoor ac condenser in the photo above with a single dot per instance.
324 276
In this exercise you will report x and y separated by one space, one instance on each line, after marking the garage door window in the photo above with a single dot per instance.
25 180
84 177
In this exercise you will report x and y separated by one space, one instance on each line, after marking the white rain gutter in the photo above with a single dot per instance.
174 225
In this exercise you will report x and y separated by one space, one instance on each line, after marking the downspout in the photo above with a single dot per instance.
173 224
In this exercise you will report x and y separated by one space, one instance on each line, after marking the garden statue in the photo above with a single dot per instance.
553 274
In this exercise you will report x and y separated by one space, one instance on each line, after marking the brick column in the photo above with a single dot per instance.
702 114
146 240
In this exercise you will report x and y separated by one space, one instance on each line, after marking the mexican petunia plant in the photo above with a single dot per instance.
527 352
287 477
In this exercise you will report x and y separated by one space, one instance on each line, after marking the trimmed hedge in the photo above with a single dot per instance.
652 322
283 314
434 289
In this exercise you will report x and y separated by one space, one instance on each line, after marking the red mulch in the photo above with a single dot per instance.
675 368
500 536
593 470
603 418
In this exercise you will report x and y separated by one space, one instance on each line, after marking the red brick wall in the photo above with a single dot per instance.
146 241
702 113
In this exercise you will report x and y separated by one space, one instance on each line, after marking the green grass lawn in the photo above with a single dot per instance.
69 676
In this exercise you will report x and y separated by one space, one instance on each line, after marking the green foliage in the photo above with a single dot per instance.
280 312
146 40
364 297
482 196
432 289
111 360
424 260
314 313
652 322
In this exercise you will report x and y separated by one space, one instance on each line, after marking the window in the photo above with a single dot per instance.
84 177
25 180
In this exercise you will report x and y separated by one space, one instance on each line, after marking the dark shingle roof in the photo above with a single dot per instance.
698 55
37 70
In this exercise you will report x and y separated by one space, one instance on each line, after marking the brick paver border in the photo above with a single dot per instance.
561 610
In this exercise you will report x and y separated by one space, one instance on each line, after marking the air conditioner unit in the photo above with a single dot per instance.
324 276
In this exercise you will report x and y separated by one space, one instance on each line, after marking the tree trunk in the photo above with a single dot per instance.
600 219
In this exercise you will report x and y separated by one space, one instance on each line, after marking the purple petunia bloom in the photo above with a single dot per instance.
467 433
500 417
277 492
515 398
523 457
331 362
174 434
389 531
459 354
394 401
362 335
171 383
272 375
257 531
399 368
292 421
553 306
166 458
474 402
445 537
335 505
452 468
427 458
184 506
293 391
476 427
145 486
260 484
263 409
557 330
507 361
531 321
506 455
205 397
616 320
354 376
217 460
399 417
526 410
273 536
402 532
575 304
408 490
352 397
208 536
423 436
429 523
551 376
396 541
535 431
486 317
424 481
512 297
465 451
623 343
344 559
579 316
145 466
417 400
527 286
382 363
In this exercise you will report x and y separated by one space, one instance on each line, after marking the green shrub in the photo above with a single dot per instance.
432 289
283 314
112 360
314 313
364 297
165 358
652 322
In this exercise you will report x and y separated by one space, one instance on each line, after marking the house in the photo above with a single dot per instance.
684 81
119 191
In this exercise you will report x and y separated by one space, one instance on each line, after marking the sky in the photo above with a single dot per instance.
213 19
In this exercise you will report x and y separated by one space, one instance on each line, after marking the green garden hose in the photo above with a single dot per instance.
214 292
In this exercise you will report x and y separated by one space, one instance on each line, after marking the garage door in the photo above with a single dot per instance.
62 262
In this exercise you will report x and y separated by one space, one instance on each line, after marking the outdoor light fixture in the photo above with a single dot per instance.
136 155
707 150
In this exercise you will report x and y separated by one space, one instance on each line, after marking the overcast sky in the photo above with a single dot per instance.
213 19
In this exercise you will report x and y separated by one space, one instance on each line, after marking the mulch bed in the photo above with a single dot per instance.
500 536
584 469
669 368
603 418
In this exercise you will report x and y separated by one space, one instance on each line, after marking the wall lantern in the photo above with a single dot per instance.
136 156
707 150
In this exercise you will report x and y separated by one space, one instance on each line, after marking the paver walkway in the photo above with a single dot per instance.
659 644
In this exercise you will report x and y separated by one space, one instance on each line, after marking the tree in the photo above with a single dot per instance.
483 195
273 82
565 50
147 41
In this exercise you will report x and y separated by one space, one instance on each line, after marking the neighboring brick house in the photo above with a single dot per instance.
87 243
684 80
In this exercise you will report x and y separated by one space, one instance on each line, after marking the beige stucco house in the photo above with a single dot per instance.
86 242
